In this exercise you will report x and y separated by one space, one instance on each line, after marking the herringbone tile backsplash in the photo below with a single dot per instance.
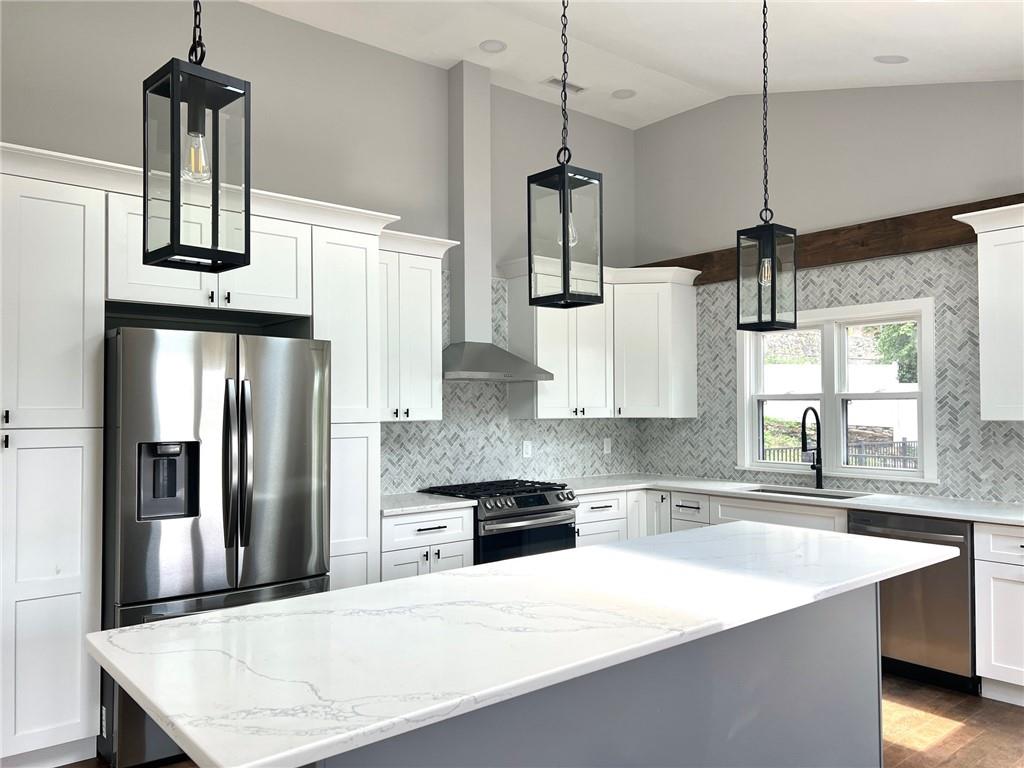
478 441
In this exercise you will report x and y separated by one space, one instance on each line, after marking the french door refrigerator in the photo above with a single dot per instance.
216 488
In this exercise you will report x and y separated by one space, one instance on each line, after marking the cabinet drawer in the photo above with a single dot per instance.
685 525
691 506
601 506
999 543
726 510
601 532
424 529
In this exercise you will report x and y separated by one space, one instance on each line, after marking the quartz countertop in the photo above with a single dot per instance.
294 681
407 503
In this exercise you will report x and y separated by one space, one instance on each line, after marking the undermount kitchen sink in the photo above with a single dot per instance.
812 493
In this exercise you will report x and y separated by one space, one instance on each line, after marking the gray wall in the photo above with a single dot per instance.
525 133
332 119
837 157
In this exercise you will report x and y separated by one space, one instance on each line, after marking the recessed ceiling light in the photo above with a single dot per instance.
891 59
623 93
493 46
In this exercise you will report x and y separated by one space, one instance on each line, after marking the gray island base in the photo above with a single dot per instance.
801 688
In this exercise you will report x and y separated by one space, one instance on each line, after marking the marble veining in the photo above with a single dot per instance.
287 683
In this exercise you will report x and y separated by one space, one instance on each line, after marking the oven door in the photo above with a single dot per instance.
524 535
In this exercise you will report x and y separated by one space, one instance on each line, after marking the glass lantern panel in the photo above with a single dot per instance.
231 156
158 165
751 293
196 171
785 277
584 234
546 235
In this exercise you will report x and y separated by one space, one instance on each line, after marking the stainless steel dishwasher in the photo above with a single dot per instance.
927 616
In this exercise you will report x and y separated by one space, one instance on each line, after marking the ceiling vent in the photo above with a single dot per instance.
556 82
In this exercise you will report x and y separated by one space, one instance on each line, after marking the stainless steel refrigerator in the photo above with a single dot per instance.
216 488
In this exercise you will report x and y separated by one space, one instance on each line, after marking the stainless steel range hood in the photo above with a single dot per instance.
471 355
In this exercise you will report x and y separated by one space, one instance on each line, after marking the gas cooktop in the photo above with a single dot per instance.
494 488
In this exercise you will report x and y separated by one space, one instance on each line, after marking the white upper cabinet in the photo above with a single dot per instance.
1000 310
51 305
128 279
410 326
574 345
278 278
280 273
345 312
655 344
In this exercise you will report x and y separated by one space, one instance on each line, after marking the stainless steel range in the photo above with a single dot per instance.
517 517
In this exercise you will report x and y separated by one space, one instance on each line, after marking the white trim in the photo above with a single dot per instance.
418 245
831 322
1006 217
17 160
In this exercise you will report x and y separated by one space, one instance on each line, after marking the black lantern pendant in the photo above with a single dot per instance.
766 253
564 223
195 156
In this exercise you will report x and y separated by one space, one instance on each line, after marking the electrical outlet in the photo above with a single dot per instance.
527 449
607 445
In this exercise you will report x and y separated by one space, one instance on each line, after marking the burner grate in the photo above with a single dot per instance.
493 488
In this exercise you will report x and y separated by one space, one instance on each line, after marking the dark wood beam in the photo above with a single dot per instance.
914 232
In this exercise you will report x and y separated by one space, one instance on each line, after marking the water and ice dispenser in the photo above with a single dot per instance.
168 480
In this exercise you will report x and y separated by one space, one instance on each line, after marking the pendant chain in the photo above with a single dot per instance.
766 212
197 51
564 154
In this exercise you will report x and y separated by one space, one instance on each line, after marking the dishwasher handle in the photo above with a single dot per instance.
896 533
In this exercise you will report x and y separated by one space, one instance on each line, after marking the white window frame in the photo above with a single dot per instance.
832 322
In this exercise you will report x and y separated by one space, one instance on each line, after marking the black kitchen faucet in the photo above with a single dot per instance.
816 464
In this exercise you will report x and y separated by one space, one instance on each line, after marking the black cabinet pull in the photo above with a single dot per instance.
227 297
426 554
437 554
7 416
686 506
575 411
663 497
620 410
407 413
603 506
213 297
396 413
431 528
7 441
583 411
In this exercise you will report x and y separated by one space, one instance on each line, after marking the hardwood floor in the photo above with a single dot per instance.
922 727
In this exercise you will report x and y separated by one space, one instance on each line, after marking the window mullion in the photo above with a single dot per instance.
831 416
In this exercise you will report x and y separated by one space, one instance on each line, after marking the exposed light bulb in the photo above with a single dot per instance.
195 159
764 273
574 236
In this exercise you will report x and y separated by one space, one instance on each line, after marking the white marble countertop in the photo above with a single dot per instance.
291 682
407 503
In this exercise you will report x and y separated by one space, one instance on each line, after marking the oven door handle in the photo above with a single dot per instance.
899 533
532 522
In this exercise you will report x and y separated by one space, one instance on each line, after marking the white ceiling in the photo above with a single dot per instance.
679 55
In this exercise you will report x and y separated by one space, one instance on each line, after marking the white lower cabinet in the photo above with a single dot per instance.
636 514
727 510
659 512
51 503
999 611
455 554
600 532
416 561
355 504
426 542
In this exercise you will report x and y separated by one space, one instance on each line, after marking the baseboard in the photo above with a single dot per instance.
1000 691
55 756
929 675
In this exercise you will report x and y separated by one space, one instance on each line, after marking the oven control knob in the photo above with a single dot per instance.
487 504
560 496
509 503
570 495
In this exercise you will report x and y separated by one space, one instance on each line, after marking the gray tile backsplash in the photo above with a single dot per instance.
478 441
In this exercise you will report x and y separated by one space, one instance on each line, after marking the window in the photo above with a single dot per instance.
868 371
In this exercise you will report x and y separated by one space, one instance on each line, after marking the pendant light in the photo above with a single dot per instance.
564 222
766 253
195 157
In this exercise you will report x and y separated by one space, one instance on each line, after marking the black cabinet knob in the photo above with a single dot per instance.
213 297
407 413
396 413
227 297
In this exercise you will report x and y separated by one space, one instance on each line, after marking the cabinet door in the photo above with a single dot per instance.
595 377
556 330
604 532
659 512
51 502
389 336
1001 323
686 525
346 289
999 602
51 305
128 279
402 563
419 310
279 276
636 514
445 557
355 503
725 510
642 375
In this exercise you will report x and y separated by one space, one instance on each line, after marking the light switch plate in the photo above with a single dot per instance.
527 449
607 445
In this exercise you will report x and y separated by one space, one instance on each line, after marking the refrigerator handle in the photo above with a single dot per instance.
231 464
246 520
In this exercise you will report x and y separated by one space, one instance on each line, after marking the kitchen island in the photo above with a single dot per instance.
737 644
